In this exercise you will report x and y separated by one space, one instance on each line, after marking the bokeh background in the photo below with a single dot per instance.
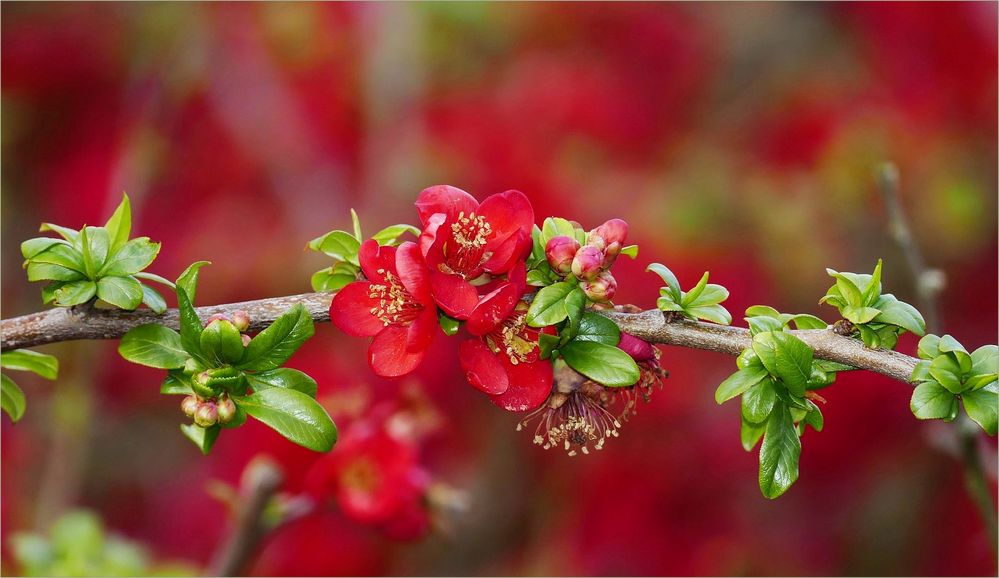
736 138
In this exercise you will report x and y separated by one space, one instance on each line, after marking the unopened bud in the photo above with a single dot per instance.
560 252
189 405
587 262
199 383
246 339
601 289
206 415
241 319
216 317
611 252
226 409
638 349
613 231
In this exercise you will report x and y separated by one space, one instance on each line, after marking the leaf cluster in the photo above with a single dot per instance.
11 397
95 262
879 318
948 374
703 301
342 247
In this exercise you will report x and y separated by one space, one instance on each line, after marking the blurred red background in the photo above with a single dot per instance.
736 138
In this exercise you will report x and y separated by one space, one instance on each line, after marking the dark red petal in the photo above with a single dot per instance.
444 199
388 356
483 368
422 331
530 385
413 271
493 309
351 308
638 349
507 252
453 294
373 257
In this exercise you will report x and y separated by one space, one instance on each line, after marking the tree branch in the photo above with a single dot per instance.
81 323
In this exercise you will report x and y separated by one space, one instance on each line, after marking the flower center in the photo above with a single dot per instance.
515 339
574 421
360 476
467 253
396 305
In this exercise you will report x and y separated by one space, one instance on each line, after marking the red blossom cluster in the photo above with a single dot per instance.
469 267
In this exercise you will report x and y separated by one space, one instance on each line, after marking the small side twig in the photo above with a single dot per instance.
260 483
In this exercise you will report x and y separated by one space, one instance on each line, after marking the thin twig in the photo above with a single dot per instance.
260 482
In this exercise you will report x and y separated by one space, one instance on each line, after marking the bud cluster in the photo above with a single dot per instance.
210 404
590 263
240 320
207 412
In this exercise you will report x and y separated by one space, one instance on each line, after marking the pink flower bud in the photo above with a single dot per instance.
560 252
206 415
226 409
216 317
613 231
587 262
189 405
601 289
241 319
246 339
610 254
638 349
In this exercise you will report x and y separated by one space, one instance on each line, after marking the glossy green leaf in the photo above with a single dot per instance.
548 307
750 434
713 313
600 362
11 398
221 342
153 299
786 357
132 257
574 302
758 401
122 292
188 280
761 324
547 344
190 323
32 247
711 295
119 225
294 415
75 293
153 345
859 315
847 289
930 400
63 255
48 272
669 278
390 235
202 437
779 454
982 405
928 347
946 371
46 366
690 297
596 327
94 244
283 377
762 311
895 312
339 245
270 348
739 382
71 235
872 290
805 321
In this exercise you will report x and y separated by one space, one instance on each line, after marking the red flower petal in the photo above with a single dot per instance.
508 214
373 257
422 331
483 368
453 294
444 199
506 253
530 385
433 238
351 308
494 308
388 355
413 272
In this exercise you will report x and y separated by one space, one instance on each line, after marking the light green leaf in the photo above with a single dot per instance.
11 398
153 299
175 384
356 222
75 293
895 312
221 342
786 357
61 254
929 347
574 303
132 257
630 250
153 345
145 276
119 226
779 454
71 235
122 292
930 400
283 377
847 289
713 313
188 280
814 417
981 406
946 371
690 297
762 311
202 437
46 366
600 362
669 278
739 382
859 315
548 307
32 247
873 288
340 245
270 348
390 235
293 414
805 321
761 324
49 272
95 244
711 295
750 434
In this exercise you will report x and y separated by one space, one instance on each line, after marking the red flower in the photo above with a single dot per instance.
394 305
462 239
503 361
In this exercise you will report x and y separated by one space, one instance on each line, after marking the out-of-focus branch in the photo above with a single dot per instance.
260 483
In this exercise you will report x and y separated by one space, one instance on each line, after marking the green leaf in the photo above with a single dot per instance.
119 226
921 372
95 245
758 402
574 303
873 288
32 247
46 366
739 382
711 295
61 254
356 222
340 245
847 289
390 235
713 313
750 434
930 400
153 345
895 312
669 278
188 280
131 258
928 347
203 438
75 293
805 321
176 385
71 235
547 344
334 278
814 417
449 325
143 275
946 371
761 324
762 311
554 227
786 357
985 360
293 414
190 324
270 348
666 302
548 307
596 327
859 315
600 362
691 296
981 406
283 377
48 272
153 299
122 292
779 454
630 250
11 398
221 342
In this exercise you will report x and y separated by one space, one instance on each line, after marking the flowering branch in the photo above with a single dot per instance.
69 324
